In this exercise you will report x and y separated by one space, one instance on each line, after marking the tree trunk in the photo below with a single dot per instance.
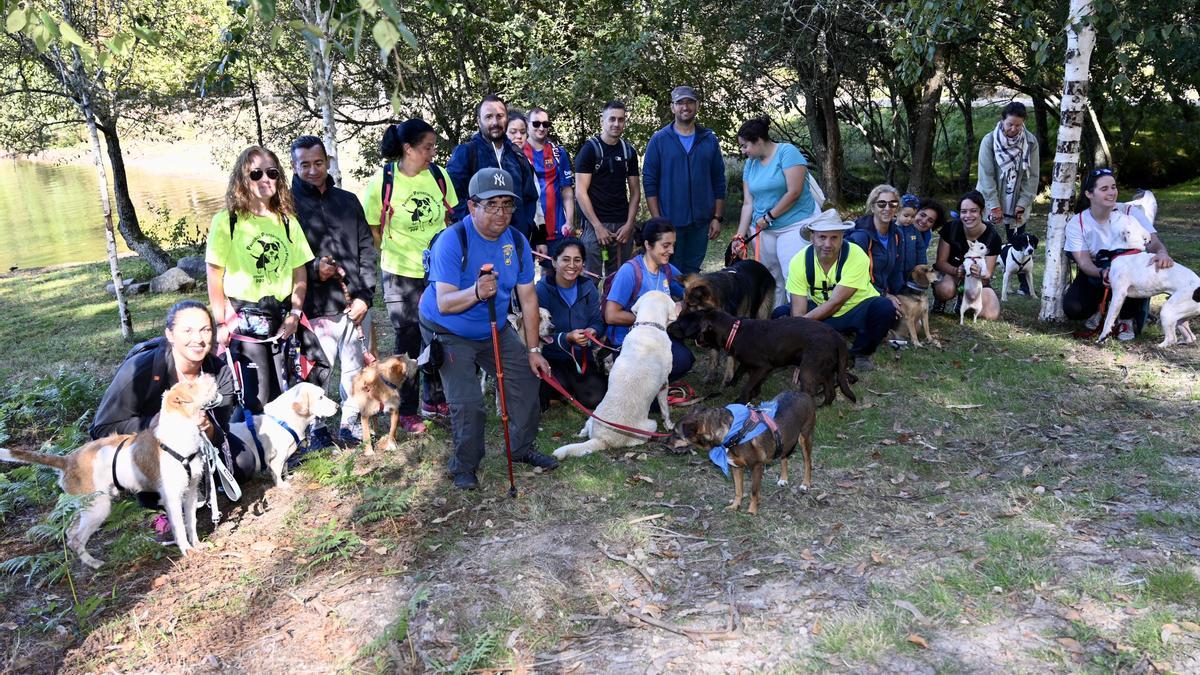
1041 118
923 129
114 270
320 58
1080 40
821 117
131 230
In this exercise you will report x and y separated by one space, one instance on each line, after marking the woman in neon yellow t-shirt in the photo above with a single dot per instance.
256 273
418 197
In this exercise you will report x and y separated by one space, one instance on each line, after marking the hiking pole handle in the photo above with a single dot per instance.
486 269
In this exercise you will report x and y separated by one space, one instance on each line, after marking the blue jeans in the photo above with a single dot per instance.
691 243
870 322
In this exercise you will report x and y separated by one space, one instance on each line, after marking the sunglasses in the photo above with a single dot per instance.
1101 172
257 174
540 124
883 205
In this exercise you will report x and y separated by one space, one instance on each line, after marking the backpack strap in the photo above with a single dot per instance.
518 242
233 221
462 240
627 149
385 196
440 179
810 267
637 282
594 142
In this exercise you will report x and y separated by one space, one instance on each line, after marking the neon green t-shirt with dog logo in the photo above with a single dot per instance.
856 274
418 211
259 257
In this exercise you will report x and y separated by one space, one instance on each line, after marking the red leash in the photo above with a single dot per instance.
549 379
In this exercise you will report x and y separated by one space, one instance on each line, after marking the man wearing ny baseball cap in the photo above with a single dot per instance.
684 179
454 313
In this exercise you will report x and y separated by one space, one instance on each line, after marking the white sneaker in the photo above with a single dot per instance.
1125 330
1093 322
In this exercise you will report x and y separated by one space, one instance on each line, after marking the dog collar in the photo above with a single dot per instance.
292 432
650 323
732 333
385 381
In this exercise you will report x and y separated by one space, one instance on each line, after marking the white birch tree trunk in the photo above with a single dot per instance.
1081 38
320 58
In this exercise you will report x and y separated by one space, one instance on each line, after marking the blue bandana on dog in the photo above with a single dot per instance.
741 414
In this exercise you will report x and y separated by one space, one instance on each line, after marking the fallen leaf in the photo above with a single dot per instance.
1071 615
644 479
262 546
942 486
1168 631
918 640
1189 626
845 485
877 558
1070 644
807 555
380 550
816 627
158 581
488 523
1026 471
439 521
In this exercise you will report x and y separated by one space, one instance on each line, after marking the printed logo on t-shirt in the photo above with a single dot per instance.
508 254
270 256
419 207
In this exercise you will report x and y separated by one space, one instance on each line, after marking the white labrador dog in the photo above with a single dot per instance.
283 426
1135 276
638 376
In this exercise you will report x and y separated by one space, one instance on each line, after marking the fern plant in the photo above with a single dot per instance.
329 542
382 503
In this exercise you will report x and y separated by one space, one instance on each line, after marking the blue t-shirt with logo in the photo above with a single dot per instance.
622 289
445 266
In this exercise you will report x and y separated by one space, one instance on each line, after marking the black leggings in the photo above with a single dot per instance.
264 371
1082 299
402 295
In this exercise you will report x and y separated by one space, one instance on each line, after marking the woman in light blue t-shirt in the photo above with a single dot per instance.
775 201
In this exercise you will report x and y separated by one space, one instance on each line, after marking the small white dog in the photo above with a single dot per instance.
284 425
638 376
1135 276
974 263
164 458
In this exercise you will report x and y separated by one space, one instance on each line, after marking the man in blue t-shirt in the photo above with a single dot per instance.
454 311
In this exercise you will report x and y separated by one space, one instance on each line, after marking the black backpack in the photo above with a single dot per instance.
810 262
598 148
461 228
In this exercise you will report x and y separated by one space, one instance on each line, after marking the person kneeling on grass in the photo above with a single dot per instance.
957 237
454 313
834 276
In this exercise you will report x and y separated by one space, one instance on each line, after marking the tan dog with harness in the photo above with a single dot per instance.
165 458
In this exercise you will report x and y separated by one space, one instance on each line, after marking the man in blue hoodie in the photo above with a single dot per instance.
684 179
491 148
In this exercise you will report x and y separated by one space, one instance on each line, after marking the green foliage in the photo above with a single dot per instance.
327 543
53 566
383 503
180 235
1174 584
482 650
397 631
48 406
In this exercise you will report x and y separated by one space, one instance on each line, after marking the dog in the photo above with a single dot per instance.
761 346
915 306
795 414
1016 258
972 297
638 376
743 288
1135 276
376 389
283 426
164 458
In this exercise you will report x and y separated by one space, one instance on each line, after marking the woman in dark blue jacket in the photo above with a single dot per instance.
574 305
878 235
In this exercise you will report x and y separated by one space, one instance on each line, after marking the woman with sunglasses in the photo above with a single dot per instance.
956 238
1094 235
418 201
776 199
256 256
878 234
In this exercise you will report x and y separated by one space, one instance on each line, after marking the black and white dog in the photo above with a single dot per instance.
1016 257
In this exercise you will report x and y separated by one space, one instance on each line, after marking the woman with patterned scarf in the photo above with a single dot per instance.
1008 172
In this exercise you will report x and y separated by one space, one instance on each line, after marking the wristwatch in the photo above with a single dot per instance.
535 350
719 218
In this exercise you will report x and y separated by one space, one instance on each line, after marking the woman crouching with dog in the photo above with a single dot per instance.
256 256
656 273
574 305
956 238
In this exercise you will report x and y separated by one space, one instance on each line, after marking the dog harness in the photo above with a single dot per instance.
1004 250
116 454
748 423
185 461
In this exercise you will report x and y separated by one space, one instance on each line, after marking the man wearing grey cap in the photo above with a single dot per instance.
454 313
683 175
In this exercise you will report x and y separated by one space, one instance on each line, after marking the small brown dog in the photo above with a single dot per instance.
795 415
915 306
376 389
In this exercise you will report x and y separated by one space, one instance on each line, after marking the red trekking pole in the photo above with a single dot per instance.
512 484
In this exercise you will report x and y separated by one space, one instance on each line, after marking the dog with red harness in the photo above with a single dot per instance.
748 437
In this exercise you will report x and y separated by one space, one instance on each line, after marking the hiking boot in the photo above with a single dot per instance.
319 438
412 424
466 481
863 364
1093 321
939 307
435 410
540 461
1125 330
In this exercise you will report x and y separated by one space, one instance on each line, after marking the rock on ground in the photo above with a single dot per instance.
172 281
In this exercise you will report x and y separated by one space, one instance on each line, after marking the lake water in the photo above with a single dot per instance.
50 213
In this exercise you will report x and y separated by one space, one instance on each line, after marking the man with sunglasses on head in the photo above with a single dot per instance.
490 147
341 275
684 178
454 314
554 179
608 191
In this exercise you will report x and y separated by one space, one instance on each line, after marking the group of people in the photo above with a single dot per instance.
446 243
